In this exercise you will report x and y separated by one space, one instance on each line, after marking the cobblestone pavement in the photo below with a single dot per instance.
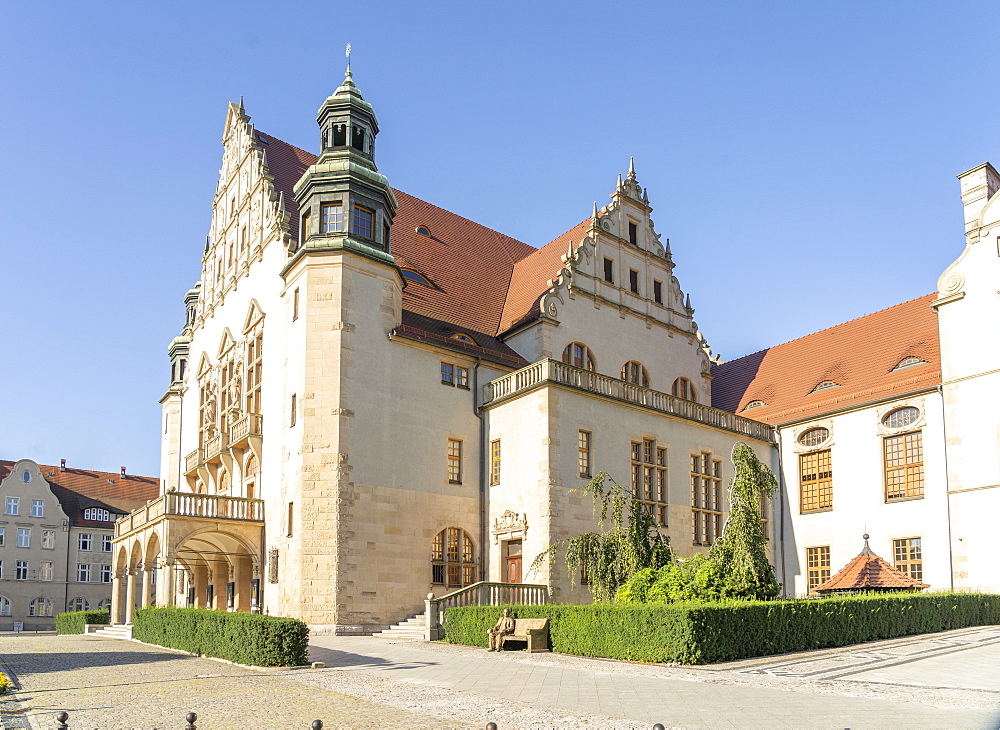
111 683
938 681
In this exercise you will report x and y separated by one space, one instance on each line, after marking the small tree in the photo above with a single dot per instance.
740 554
609 557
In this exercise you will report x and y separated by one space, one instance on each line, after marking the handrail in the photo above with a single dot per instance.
483 593
553 371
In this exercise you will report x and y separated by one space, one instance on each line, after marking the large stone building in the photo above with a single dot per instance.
55 538
373 398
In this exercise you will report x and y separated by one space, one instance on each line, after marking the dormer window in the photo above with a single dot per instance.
364 220
331 217
825 385
424 231
414 276
908 362
754 404
462 337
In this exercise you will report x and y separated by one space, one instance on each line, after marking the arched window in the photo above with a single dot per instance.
40 607
104 605
453 559
462 337
902 417
79 604
754 404
635 372
423 230
414 276
578 354
250 473
224 482
683 388
4 606
909 362
825 385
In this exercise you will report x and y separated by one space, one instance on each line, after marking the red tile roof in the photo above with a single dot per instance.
471 266
867 571
858 355
78 489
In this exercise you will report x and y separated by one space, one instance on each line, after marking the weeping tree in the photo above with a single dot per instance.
740 554
628 541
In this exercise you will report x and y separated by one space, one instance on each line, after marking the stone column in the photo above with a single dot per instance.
166 590
116 597
147 583
130 595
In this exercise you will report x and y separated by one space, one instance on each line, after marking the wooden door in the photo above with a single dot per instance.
513 550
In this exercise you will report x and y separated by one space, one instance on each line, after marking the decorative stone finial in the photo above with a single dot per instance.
595 211
631 169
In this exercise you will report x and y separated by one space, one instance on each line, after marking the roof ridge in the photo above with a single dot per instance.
826 329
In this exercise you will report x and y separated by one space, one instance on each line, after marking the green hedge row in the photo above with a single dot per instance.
244 638
702 633
73 622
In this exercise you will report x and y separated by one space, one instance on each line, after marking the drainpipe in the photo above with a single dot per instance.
69 533
482 468
781 512
947 490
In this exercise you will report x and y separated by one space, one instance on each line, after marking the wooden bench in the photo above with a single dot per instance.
533 631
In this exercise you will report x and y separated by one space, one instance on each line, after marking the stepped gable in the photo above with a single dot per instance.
78 489
469 265
867 571
859 355
532 273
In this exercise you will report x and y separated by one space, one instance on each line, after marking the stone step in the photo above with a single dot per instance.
412 629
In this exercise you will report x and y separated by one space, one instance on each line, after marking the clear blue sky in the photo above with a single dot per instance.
801 157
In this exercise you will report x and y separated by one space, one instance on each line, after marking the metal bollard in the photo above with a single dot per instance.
190 717
317 725
491 726
658 726
61 718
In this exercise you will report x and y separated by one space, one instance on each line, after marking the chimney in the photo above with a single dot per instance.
123 473
62 465
978 185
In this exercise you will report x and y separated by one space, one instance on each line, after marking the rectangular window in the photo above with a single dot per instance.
304 233
45 570
364 219
105 574
633 233
816 481
817 566
243 239
105 543
24 537
907 557
447 374
12 505
295 304
583 451
84 541
904 466
609 271
454 461
658 291
21 570
2 536
293 410
649 478
49 539
83 572
385 236
1 576
291 518
706 498
462 377
633 281
495 462
331 217
37 508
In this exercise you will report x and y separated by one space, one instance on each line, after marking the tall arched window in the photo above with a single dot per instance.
224 482
579 355
250 477
4 606
635 372
79 604
683 388
453 559
40 607
104 605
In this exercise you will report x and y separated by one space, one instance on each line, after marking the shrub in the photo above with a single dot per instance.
72 622
244 638
701 633
5 684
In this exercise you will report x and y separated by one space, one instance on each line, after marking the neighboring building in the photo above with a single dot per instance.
373 398
55 538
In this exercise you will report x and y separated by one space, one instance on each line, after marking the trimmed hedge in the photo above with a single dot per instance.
72 622
702 633
244 638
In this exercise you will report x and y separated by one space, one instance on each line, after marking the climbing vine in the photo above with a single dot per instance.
629 541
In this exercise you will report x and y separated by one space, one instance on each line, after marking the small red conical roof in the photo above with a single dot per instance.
868 571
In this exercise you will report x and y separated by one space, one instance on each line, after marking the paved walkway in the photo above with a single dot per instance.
940 681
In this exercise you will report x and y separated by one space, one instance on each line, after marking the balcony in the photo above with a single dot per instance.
248 427
192 461
188 505
215 446
546 372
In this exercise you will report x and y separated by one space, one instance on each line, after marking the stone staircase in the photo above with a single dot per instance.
118 631
412 629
